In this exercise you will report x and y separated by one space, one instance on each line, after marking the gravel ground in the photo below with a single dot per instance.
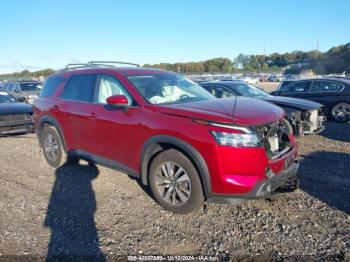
91 210
268 86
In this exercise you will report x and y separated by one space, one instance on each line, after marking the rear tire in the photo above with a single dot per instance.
340 112
175 182
52 146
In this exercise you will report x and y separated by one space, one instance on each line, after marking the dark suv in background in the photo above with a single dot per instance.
167 131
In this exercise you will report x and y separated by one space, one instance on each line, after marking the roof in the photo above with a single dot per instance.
126 68
344 80
126 71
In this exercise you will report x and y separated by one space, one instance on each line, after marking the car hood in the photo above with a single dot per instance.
243 111
14 108
297 103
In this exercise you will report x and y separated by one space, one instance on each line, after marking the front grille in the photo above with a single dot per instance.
275 137
15 120
18 117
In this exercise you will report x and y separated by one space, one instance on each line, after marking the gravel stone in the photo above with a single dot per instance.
95 213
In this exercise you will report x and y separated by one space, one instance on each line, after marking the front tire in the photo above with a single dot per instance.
175 183
340 112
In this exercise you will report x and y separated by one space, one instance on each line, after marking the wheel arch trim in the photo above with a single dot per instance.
52 121
150 148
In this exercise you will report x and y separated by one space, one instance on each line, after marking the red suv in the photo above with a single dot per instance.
169 132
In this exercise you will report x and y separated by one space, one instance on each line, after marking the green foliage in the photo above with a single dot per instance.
336 60
26 74
215 65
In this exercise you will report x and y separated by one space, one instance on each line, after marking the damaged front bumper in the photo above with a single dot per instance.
266 188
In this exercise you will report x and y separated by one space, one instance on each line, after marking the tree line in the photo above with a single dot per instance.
26 74
335 60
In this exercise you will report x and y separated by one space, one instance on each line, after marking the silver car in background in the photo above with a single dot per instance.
26 91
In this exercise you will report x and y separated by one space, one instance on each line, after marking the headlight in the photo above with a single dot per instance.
236 140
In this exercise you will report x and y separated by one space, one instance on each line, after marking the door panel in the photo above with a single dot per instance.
117 131
75 121
118 134
75 110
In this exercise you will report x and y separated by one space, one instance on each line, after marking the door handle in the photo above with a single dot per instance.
92 116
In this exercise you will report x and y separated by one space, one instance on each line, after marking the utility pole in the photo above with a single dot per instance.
264 54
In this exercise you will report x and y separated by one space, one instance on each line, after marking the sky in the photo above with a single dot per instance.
37 34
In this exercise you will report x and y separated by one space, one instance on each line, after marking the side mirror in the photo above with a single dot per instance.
16 90
118 101
21 99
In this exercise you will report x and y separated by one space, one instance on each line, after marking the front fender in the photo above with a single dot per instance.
153 145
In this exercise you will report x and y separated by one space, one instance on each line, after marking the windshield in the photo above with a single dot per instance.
6 98
251 91
168 89
30 86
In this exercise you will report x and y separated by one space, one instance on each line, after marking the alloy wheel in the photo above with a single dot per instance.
51 147
341 112
173 183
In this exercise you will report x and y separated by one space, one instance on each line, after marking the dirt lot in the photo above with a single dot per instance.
268 86
92 210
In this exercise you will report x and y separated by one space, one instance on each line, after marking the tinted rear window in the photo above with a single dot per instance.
80 88
325 86
30 86
285 83
51 85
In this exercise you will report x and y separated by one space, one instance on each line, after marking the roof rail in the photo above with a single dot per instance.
75 65
106 63
91 64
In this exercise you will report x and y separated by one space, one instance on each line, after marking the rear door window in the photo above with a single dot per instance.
300 87
51 85
29 86
80 88
325 86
